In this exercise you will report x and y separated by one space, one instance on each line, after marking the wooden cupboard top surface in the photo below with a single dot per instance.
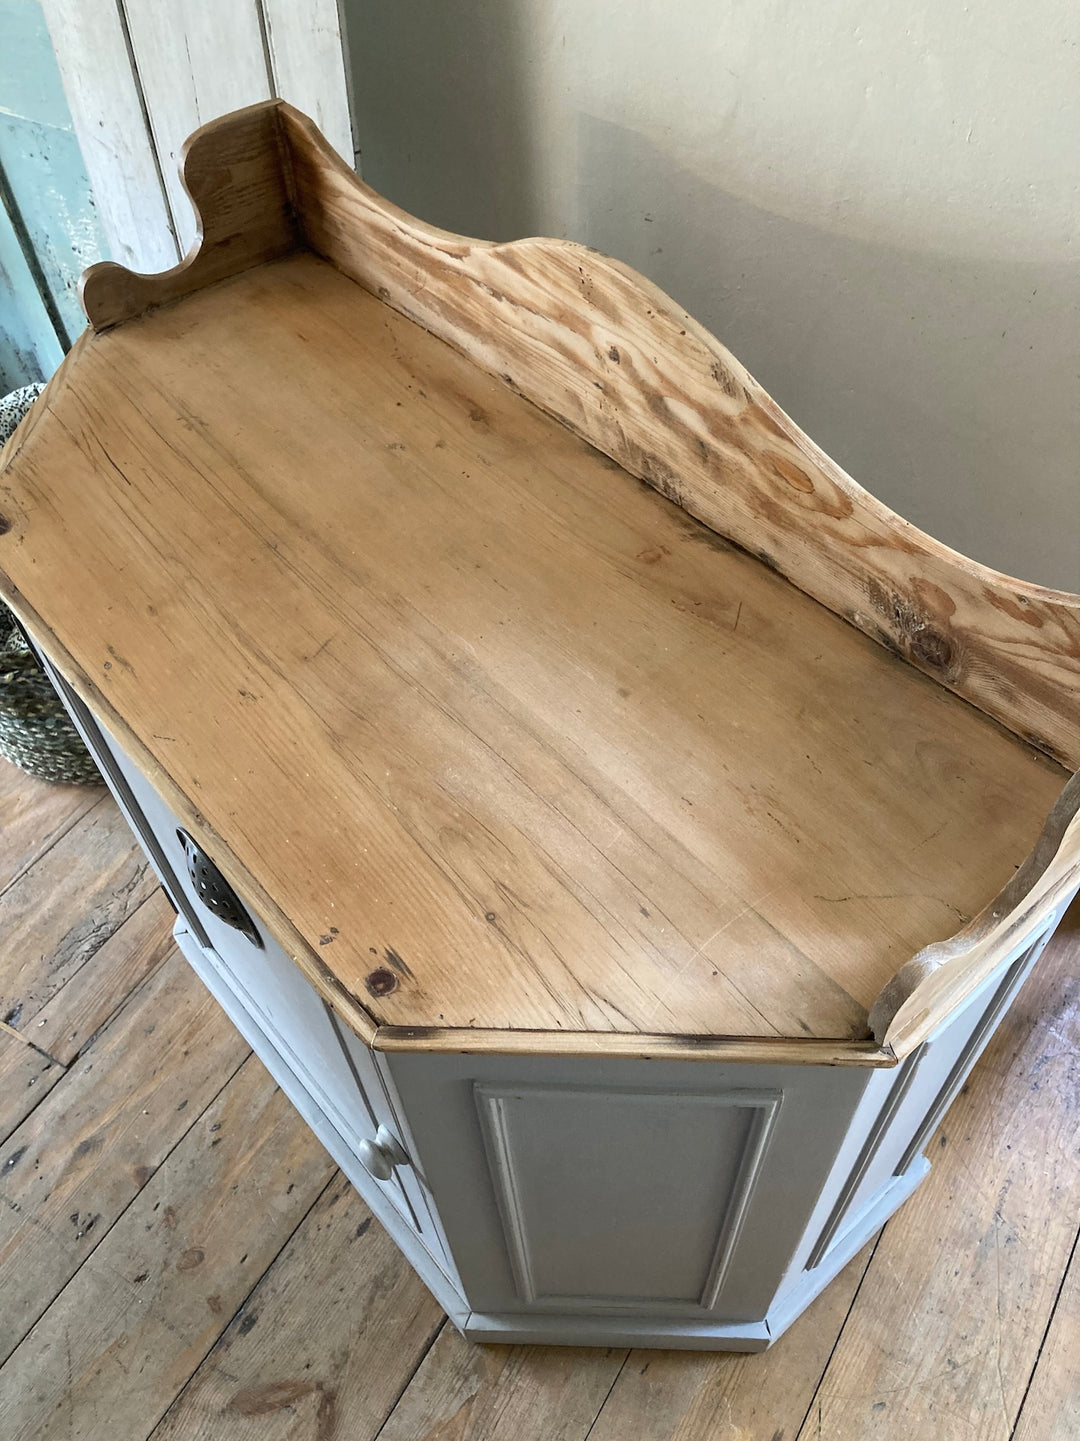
509 739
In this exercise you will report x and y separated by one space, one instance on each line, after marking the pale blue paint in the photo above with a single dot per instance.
49 231
29 349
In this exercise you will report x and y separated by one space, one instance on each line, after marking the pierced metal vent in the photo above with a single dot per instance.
214 891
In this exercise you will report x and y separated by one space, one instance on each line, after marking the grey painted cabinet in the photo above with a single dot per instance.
576 1199
591 890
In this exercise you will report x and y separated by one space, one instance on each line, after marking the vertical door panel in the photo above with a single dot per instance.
622 1198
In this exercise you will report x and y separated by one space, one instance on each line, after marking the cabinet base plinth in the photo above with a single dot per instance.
617 1331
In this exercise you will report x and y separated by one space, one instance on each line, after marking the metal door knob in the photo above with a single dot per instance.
380 1156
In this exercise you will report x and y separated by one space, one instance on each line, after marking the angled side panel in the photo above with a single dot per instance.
901 1111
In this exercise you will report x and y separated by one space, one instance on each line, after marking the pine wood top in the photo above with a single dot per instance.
511 741
596 345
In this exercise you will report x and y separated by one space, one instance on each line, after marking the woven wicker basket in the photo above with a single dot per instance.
36 732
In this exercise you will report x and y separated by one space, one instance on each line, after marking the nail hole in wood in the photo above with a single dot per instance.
381 982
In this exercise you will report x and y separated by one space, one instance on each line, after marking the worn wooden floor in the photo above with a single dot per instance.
180 1259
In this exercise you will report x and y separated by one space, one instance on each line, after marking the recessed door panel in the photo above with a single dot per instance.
622 1198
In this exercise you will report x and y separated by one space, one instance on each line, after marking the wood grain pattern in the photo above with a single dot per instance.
1051 1409
673 797
27 1075
324 1371
76 1163
33 1060
609 355
70 1020
940 978
123 1336
496 1393
135 950
64 907
598 346
675 1396
34 814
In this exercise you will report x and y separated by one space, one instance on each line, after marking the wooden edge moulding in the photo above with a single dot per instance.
597 347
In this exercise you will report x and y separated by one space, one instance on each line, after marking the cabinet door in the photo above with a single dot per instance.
334 1067
413 1183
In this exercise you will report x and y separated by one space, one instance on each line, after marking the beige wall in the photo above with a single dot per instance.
873 205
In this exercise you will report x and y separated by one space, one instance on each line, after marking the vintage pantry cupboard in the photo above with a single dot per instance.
617 832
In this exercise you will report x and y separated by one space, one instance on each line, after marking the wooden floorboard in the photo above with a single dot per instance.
673 1396
67 1023
76 1163
27 1076
946 1328
116 1346
275 1374
1051 1408
33 817
180 1260
32 1061
64 907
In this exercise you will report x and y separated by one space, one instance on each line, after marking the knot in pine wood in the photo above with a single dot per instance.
932 649
916 624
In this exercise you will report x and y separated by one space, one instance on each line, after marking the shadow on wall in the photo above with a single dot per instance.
440 117
944 384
